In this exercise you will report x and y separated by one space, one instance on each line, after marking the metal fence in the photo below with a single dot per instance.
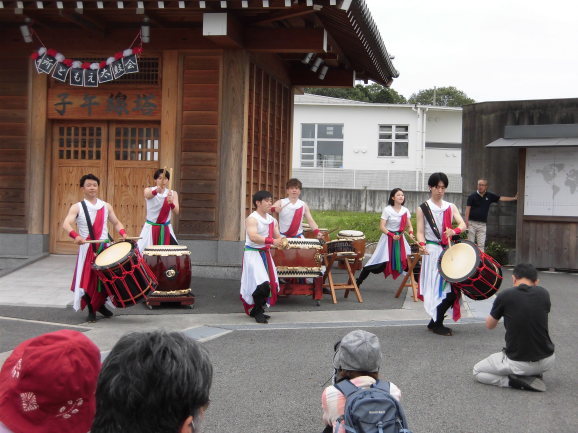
381 180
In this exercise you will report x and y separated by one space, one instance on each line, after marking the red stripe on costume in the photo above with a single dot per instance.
295 226
164 212
271 267
446 224
388 268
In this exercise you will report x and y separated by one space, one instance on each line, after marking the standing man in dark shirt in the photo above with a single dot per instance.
529 351
477 209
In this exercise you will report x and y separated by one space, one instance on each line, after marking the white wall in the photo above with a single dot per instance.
361 132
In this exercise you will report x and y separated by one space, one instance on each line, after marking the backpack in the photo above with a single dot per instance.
370 410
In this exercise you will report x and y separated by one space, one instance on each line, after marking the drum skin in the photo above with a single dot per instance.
309 234
171 267
476 274
124 274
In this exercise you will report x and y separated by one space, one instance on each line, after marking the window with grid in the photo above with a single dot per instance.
136 143
322 145
393 140
80 142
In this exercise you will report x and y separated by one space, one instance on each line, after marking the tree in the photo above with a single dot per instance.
365 93
444 97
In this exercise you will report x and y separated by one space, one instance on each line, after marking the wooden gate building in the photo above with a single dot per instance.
213 98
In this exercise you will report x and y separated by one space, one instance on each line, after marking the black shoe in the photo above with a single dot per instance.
105 312
91 314
529 383
431 324
266 316
442 330
260 318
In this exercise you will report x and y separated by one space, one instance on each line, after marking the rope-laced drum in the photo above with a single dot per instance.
172 266
472 271
124 274
298 258
357 239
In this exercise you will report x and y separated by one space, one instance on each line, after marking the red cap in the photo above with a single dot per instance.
48 384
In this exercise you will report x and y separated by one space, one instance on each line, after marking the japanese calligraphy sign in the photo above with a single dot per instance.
103 104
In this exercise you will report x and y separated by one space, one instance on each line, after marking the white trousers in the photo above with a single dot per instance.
477 233
494 370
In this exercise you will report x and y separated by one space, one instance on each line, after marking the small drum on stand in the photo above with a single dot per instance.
172 266
358 240
472 271
309 234
124 274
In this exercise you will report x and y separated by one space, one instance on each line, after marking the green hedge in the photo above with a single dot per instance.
366 222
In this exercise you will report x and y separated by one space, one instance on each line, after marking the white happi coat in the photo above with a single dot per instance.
154 206
254 270
382 253
286 215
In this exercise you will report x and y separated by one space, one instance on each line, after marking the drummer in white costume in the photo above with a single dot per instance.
390 255
161 202
259 282
87 289
291 211
437 294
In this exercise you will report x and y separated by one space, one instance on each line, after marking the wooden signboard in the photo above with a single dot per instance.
101 104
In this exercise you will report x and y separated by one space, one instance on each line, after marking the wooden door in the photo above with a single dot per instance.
133 158
78 149
123 155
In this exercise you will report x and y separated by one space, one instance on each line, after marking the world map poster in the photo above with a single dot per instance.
551 182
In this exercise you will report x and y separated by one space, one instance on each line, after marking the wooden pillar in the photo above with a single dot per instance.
170 102
38 177
233 143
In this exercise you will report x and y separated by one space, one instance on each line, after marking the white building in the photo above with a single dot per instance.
339 143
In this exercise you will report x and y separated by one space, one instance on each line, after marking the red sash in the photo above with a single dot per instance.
389 270
295 226
166 231
271 266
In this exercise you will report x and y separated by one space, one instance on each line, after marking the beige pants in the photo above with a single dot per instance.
494 370
477 233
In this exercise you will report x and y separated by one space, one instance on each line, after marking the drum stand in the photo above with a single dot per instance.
329 260
409 280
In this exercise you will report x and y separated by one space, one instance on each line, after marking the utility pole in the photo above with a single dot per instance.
434 98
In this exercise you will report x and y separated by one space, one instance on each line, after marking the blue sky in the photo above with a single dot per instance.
492 50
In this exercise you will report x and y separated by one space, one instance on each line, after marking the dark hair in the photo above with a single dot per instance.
260 196
525 270
293 183
161 171
151 382
87 177
436 178
392 195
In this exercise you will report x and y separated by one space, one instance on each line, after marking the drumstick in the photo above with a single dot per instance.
332 230
170 179
104 241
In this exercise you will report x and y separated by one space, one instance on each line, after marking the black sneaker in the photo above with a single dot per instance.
529 383
431 324
266 316
105 312
442 330
91 317
260 318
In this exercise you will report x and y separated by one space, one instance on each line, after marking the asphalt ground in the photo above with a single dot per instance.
269 378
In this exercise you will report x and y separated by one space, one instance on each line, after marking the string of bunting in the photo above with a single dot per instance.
86 74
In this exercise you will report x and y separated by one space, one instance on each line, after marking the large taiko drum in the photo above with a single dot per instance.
299 257
171 264
474 272
357 238
124 274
